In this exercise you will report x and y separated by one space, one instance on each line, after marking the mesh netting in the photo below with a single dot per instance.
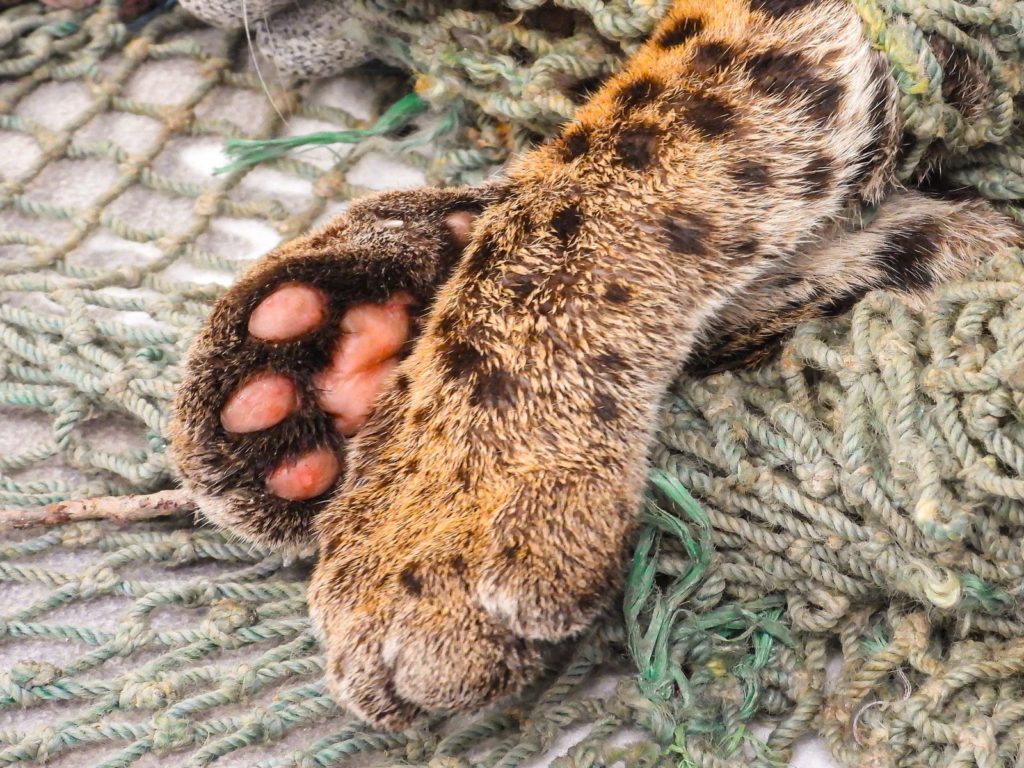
861 497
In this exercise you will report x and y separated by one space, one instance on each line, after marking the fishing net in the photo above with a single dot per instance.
852 568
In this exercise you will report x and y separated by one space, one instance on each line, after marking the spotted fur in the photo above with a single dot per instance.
735 179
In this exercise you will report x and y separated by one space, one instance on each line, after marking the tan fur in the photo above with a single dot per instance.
735 178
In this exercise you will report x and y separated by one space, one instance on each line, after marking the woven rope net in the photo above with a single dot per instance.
861 499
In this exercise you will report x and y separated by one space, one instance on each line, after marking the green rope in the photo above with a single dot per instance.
250 152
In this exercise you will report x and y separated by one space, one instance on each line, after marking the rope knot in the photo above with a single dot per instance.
978 737
817 479
171 732
177 119
244 682
131 635
543 731
647 713
225 616
28 674
183 548
128 276
99 579
81 534
420 744
79 332
207 204
147 694
271 724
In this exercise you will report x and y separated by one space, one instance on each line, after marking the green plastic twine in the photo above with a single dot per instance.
249 152
662 641
645 604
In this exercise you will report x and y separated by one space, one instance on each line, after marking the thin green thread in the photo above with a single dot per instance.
249 152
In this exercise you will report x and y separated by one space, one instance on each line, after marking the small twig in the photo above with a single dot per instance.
122 509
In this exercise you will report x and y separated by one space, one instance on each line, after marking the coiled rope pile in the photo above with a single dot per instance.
861 496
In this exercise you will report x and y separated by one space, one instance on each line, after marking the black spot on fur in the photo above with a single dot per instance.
410 581
617 293
639 93
521 285
907 142
546 306
585 89
818 177
906 255
609 582
799 303
605 407
494 389
420 416
964 84
779 8
709 115
742 348
464 478
511 551
610 364
791 76
790 281
777 71
559 281
825 101
391 705
412 466
751 175
447 324
747 247
710 58
840 305
575 144
483 258
587 601
459 359
566 223
939 187
636 145
682 31
688 233
402 383
458 565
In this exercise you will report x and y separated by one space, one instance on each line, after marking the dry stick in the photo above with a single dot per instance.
123 509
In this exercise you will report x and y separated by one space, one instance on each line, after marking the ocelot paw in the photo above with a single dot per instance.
294 355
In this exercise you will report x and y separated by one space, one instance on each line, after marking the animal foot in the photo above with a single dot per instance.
294 356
